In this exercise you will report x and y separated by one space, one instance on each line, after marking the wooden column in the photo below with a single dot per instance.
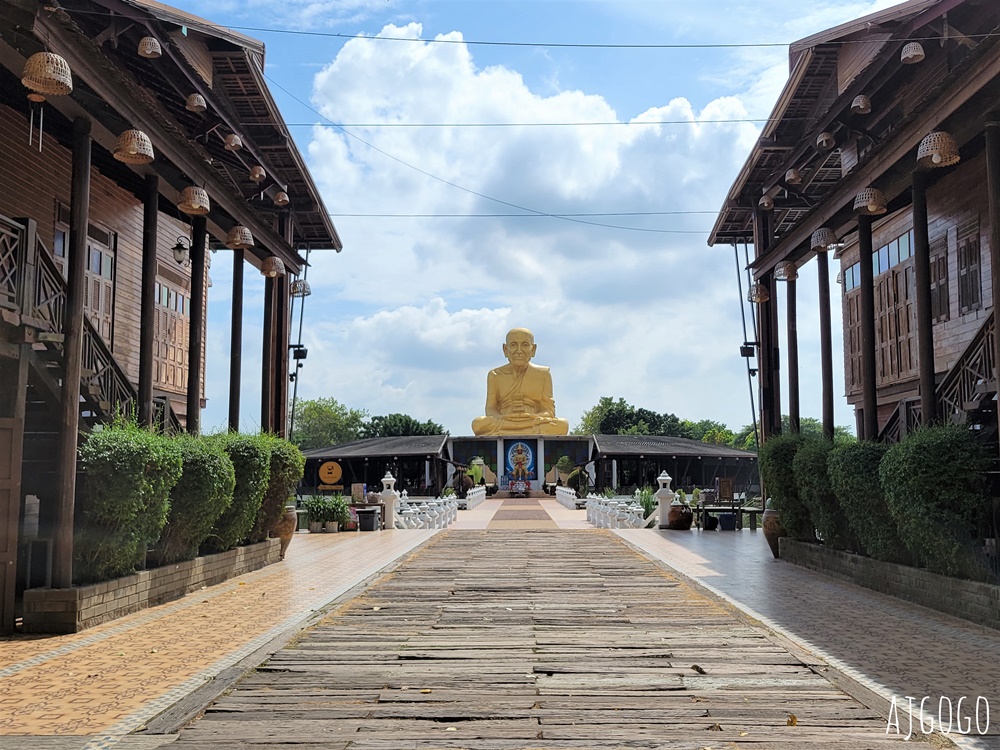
772 287
147 298
825 342
267 360
869 396
76 266
13 401
236 343
993 193
196 337
922 280
793 356
282 336
770 404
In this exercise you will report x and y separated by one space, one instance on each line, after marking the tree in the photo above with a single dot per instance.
610 417
322 422
398 425
745 439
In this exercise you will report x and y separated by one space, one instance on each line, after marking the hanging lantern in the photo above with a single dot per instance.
299 288
861 105
766 203
913 52
47 73
938 149
133 147
194 201
825 141
195 103
257 174
281 199
793 177
150 48
870 202
233 142
786 271
239 238
272 267
758 293
822 239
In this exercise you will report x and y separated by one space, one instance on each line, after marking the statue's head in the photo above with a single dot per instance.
520 346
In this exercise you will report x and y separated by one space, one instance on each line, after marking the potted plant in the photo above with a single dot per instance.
318 509
338 512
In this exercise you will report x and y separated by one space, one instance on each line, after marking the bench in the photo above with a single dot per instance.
752 510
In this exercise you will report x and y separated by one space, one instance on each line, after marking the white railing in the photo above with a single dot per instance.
616 512
566 496
474 496
425 512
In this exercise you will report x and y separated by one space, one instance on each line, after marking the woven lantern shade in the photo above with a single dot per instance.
239 238
299 288
194 201
938 149
822 239
766 203
150 48
272 267
913 52
870 202
758 293
195 103
257 174
825 141
281 198
47 73
233 142
786 271
793 177
861 105
134 147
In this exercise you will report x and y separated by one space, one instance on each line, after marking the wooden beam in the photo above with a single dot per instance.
76 265
869 396
196 337
267 360
793 357
993 192
825 343
147 301
922 281
236 343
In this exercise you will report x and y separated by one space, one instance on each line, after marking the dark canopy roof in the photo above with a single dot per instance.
394 447
659 445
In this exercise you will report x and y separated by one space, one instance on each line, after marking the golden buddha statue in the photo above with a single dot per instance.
519 394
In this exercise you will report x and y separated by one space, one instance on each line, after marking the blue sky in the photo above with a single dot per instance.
413 312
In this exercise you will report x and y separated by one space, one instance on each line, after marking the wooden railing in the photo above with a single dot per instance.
961 386
12 260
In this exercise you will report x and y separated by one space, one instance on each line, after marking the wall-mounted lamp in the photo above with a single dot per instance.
182 251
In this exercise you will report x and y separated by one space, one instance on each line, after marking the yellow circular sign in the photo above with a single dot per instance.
330 472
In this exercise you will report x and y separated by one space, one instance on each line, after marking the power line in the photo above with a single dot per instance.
464 189
526 216
329 124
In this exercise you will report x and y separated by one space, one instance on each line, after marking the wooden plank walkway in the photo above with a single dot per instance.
534 639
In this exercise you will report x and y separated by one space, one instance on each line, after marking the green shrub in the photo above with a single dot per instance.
317 508
578 481
251 457
934 484
128 474
339 509
853 469
201 495
287 464
776 457
813 482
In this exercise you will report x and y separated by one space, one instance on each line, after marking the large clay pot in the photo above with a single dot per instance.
679 517
773 530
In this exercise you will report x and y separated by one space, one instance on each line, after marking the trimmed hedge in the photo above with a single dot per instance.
776 456
201 495
854 477
128 473
813 481
934 485
287 465
251 457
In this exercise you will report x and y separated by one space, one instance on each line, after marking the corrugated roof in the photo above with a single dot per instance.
661 445
409 446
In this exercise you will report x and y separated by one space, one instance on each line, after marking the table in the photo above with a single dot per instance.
381 510
752 510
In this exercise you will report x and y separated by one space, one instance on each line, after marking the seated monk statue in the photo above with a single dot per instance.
519 394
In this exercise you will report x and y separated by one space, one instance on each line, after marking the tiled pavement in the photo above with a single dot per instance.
108 681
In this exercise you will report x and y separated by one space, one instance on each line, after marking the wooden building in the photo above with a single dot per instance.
883 148
135 138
